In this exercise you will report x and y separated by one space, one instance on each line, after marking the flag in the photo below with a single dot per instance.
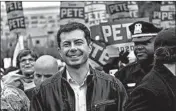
18 48
29 42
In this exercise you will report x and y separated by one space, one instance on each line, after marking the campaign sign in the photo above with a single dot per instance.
164 15
118 32
114 33
118 10
133 9
128 46
15 16
16 23
95 13
167 2
96 33
71 11
168 24
13 6
99 53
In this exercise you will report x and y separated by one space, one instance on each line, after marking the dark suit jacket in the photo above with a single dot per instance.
132 73
29 93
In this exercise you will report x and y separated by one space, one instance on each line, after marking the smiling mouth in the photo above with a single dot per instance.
140 53
28 76
74 56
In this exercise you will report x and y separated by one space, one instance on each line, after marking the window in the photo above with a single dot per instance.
26 22
34 22
50 17
26 18
37 42
34 17
51 21
42 17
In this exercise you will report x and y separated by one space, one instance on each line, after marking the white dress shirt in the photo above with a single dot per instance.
80 92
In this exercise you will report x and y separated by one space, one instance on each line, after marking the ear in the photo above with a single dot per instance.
59 50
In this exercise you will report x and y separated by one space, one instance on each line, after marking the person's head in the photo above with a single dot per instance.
45 67
25 61
74 44
165 47
143 36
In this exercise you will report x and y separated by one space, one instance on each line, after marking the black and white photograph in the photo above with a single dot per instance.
88 55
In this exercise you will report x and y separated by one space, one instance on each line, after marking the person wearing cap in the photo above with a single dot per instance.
143 36
157 91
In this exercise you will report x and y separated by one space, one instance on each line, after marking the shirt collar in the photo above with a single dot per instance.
70 79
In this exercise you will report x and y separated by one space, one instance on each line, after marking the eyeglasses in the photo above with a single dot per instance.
25 60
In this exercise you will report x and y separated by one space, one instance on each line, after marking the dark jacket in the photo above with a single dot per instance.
156 92
104 93
29 93
132 73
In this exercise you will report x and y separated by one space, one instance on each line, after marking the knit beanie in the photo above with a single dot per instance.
165 46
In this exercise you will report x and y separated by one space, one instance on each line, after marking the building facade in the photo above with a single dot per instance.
42 24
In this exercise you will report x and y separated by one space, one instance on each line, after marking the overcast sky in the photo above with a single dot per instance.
37 4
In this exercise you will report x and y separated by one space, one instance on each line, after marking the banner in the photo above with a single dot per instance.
96 32
128 46
99 54
95 13
18 48
118 10
167 6
71 11
15 17
166 16
133 9
118 32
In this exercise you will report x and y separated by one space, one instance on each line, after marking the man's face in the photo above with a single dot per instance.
40 75
27 65
144 49
74 48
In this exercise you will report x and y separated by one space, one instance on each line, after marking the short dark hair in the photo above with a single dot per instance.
23 53
71 27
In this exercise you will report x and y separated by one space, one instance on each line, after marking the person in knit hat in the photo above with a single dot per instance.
143 35
157 91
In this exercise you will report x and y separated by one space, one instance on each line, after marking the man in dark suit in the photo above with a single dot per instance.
157 91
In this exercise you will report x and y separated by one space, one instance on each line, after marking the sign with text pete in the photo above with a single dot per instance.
71 11
95 13
164 15
114 32
118 10
118 31
15 16
164 19
99 53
